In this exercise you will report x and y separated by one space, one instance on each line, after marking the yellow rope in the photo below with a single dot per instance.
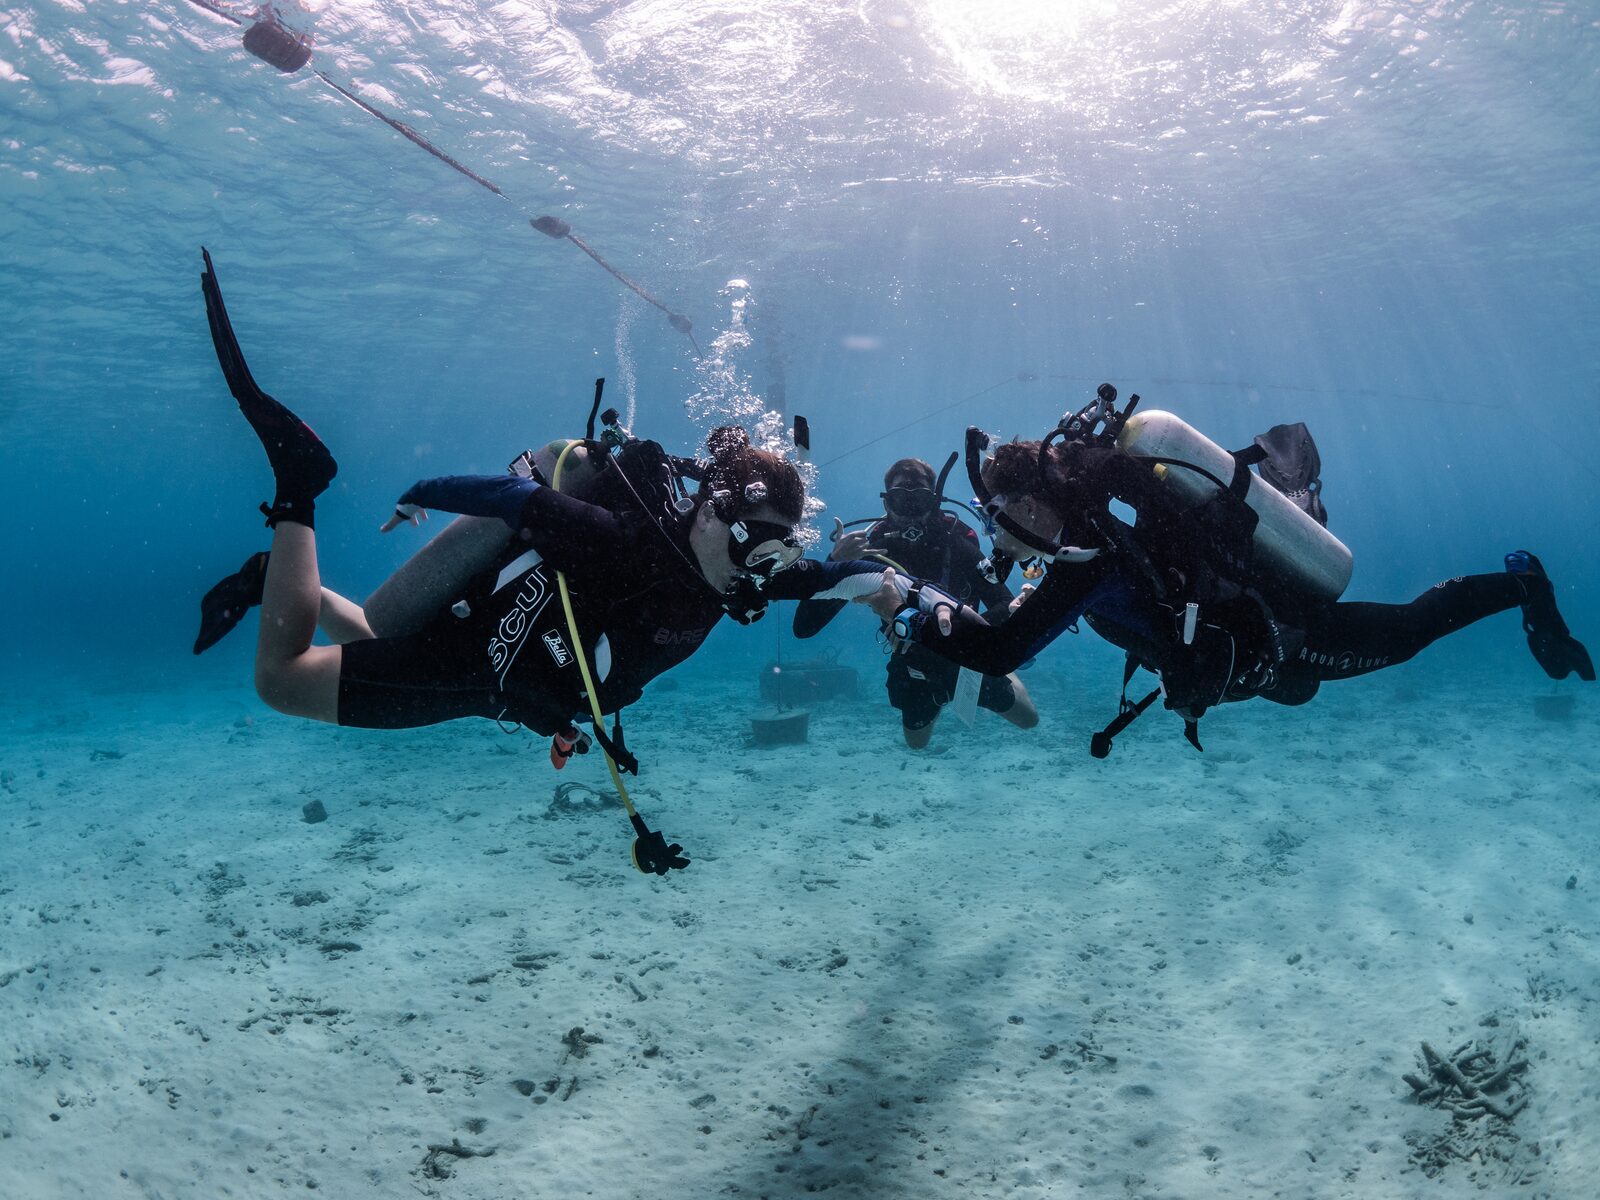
577 648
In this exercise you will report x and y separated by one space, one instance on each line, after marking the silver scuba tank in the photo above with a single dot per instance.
434 576
1288 543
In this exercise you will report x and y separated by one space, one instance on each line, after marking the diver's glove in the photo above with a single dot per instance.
920 603
924 597
651 853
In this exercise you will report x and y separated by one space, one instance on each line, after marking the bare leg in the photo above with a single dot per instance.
292 675
919 738
1022 713
342 619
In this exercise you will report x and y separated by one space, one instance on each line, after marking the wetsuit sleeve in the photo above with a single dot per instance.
570 533
812 616
500 496
1040 619
814 579
565 531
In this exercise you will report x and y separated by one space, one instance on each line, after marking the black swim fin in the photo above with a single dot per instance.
224 605
301 464
1552 643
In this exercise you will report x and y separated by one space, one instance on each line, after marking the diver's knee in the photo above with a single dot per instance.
919 736
272 686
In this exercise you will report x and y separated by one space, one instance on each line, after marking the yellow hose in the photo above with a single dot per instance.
577 648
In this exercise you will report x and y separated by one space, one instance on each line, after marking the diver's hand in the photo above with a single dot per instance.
653 856
895 592
403 514
886 601
943 614
847 546
1016 601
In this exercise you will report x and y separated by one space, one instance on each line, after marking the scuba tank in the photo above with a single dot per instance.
1288 543
436 575
433 577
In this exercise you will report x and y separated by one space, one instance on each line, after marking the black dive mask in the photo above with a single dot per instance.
911 504
761 548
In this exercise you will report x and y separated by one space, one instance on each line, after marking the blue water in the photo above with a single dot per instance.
1379 218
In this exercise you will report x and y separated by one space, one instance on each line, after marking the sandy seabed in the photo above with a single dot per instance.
999 968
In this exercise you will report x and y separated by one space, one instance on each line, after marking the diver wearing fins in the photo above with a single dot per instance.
917 537
651 569
1227 584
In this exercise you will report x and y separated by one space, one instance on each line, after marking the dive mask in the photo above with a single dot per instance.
761 548
909 502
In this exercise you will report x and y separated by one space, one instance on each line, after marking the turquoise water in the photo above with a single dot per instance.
895 217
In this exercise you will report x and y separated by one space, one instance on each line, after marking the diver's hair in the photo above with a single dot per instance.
736 464
910 466
1013 472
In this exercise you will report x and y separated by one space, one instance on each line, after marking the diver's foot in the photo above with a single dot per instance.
302 466
1552 643
224 605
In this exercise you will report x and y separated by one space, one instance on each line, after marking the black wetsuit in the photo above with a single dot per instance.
1251 639
1272 659
944 552
640 603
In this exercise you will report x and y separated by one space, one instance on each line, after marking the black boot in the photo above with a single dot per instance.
1552 643
224 605
300 462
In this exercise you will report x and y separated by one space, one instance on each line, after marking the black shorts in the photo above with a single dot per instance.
921 683
419 679
442 674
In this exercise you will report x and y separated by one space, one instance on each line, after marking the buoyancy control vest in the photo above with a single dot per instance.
1231 559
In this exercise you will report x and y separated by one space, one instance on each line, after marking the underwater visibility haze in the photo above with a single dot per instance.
243 953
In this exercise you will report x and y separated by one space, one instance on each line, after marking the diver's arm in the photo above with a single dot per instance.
814 579
1000 649
812 615
565 531
470 496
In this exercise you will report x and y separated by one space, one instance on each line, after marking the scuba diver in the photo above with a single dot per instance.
918 538
618 582
1227 584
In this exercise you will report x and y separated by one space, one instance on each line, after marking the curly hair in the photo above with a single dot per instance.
1014 471
1076 478
736 465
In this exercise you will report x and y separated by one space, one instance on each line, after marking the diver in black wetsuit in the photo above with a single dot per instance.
918 538
1132 584
647 580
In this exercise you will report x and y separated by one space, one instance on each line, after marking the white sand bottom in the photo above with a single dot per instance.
999 969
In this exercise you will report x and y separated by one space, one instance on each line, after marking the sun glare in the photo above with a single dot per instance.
1018 48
